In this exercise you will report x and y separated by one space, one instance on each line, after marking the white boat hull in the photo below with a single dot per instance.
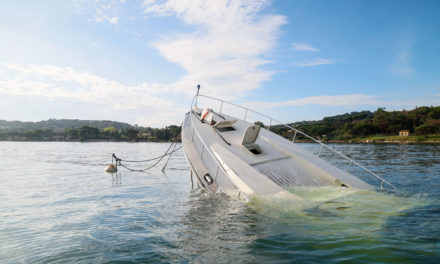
221 163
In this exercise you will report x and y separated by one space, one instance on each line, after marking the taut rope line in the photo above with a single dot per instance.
168 152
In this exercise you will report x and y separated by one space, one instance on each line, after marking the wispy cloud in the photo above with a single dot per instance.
315 62
101 11
345 100
324 100
224 51
53 82
310 62
304 47
402 67
100 16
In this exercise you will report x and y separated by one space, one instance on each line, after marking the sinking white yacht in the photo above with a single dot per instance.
241 159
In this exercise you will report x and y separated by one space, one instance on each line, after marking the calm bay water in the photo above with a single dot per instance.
57 205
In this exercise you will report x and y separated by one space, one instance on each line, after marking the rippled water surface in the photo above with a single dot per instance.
57 205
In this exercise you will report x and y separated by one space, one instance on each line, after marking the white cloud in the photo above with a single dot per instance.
345 100
324 100
53 82
402 67
314 62
100 16
114 20
224 51
101 11
142 100
304 47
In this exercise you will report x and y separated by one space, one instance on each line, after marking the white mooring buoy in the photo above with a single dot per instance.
111 168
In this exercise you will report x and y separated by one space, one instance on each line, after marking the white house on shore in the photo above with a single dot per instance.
404 133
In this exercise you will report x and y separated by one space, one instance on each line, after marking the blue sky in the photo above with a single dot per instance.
140 61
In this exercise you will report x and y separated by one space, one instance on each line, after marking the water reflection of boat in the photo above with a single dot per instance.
239 158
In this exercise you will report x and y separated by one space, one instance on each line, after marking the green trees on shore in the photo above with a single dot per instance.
421 121
89 133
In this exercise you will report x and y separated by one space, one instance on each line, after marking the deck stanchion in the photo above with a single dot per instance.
216 172
270 124
221 107
245 114
294 136
203 149
349 165
322 145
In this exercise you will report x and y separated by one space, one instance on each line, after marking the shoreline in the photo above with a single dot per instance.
378 142
89 141
366 141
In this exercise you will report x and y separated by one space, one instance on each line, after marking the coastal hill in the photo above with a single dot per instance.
58 125
82 130
422 124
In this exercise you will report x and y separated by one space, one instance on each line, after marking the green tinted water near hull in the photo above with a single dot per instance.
336 210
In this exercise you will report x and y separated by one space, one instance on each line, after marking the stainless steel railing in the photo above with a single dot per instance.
296 132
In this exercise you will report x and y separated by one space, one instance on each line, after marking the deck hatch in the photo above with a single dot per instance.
254 149
226 129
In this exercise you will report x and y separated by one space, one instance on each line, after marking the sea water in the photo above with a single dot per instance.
57 205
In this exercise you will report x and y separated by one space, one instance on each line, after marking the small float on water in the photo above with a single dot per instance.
111 168
234 156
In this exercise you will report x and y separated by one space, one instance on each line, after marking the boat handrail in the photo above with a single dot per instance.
352 162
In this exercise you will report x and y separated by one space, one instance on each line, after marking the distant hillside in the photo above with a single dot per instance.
83 130
420 123
58 125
